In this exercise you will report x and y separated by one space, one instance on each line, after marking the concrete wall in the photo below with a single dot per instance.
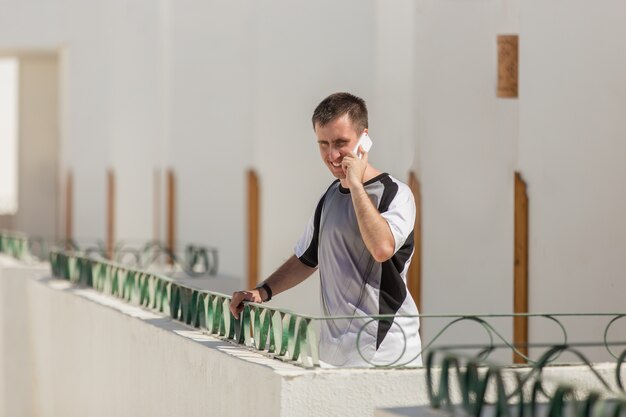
571 150
75 352
38 147
67 351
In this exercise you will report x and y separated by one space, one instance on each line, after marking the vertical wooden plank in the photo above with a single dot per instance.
414 277
156 202
171 212
253 229
110 221
520 275
508 56
69 208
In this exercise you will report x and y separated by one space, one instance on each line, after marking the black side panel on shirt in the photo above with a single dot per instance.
309 257
392 288
389 193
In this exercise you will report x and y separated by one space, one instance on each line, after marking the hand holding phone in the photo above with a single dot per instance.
364 142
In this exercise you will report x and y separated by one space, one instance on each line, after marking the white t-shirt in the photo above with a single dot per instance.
353 284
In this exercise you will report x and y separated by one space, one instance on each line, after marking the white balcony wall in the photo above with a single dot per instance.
572 150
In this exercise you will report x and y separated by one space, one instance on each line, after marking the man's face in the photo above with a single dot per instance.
336 140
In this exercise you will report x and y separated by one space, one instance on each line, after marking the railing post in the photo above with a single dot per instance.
414 277
520 271
69 207
171 213
156 213
110 220
253 229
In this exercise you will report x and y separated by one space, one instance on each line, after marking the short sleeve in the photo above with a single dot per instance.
400 215
307 246
305 240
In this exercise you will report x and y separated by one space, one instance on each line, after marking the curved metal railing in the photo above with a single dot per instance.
15 244
280 333
196 261
515 392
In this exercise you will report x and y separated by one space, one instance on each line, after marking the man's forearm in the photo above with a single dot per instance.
374 228
288 275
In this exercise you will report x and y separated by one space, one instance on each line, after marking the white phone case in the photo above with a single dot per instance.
364 142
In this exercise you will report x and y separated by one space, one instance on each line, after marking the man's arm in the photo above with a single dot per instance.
288 275
374 229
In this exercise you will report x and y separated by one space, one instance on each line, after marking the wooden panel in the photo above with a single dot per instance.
520 278
156 202
171 212
414 277
508 56
110 229
69 207
253 229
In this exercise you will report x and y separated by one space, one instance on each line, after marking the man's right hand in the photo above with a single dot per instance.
238 298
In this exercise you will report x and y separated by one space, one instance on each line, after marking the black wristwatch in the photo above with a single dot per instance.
268 290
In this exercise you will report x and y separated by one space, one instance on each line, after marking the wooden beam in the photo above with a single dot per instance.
156 203
110 220
520 272
69 208
253 228
508 57
414 276
171 212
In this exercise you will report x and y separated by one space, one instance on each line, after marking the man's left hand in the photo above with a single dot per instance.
354 167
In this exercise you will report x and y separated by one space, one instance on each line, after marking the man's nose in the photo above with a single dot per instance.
334 154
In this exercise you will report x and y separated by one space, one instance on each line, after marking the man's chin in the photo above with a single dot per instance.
338 175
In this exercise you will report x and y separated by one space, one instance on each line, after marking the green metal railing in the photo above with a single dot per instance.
196 260
15 245
480 385
279 333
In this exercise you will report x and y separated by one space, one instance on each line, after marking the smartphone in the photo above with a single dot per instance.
365 142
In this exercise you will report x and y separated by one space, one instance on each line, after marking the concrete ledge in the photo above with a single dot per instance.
69 351
84 353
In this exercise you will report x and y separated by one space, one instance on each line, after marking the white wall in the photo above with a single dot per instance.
464 165
210 137
37 147
572 148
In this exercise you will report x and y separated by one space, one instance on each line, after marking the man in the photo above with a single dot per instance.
361 239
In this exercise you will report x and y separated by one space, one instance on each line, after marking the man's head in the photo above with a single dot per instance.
338 121
339 104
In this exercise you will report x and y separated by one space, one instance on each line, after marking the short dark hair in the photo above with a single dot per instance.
338 104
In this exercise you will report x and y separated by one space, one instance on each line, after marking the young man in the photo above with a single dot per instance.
361 239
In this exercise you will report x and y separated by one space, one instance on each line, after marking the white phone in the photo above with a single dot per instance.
365 142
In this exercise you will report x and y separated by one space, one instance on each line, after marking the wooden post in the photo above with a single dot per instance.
171 212
69 208
508 57
110 229
414 277
156 211
520 272
253 229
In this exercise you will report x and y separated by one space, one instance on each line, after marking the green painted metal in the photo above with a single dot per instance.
279 333
15 245
282 334
479 384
